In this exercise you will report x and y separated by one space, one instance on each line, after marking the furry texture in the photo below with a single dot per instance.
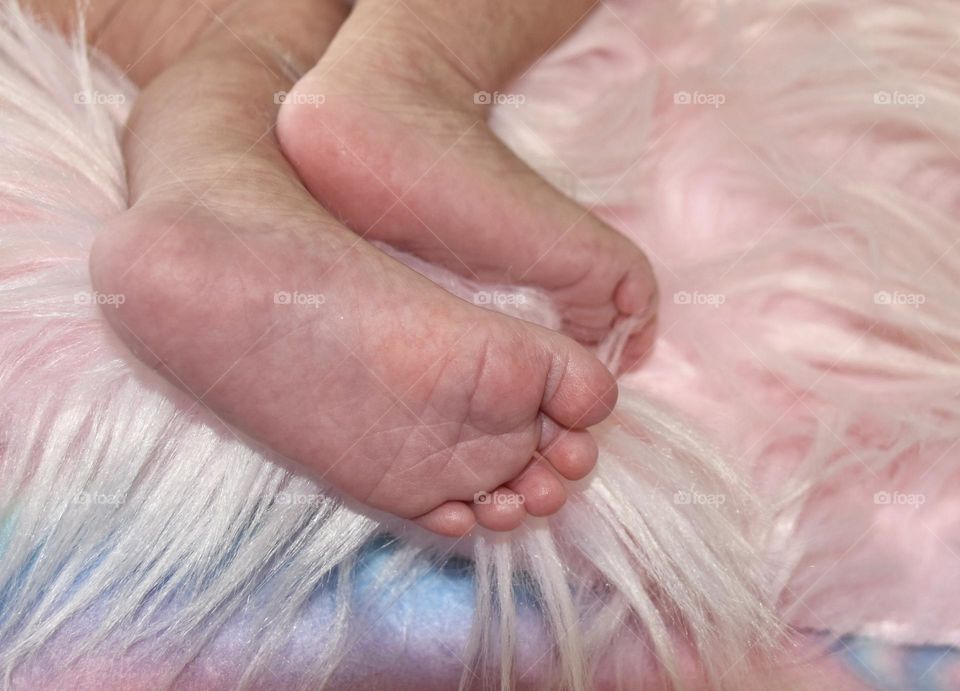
801 228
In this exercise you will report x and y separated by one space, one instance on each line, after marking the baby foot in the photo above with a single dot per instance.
363 373
367 375
386 133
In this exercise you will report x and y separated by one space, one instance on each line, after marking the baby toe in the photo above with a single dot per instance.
451 519
542 491
573 454
501 510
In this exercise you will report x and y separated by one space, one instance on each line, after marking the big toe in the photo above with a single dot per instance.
611 305
579 390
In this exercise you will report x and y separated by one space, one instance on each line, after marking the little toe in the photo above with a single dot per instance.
501 510
542 491
451 519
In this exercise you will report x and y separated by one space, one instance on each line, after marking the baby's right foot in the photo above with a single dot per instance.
362 372
386 132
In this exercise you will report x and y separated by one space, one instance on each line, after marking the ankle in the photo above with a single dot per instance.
144 39
408 50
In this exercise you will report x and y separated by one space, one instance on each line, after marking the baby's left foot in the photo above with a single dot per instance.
388 131
241 289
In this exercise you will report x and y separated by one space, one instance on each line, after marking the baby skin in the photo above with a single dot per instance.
262 299
400 151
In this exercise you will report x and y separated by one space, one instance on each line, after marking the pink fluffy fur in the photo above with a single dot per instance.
790 169
818 200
